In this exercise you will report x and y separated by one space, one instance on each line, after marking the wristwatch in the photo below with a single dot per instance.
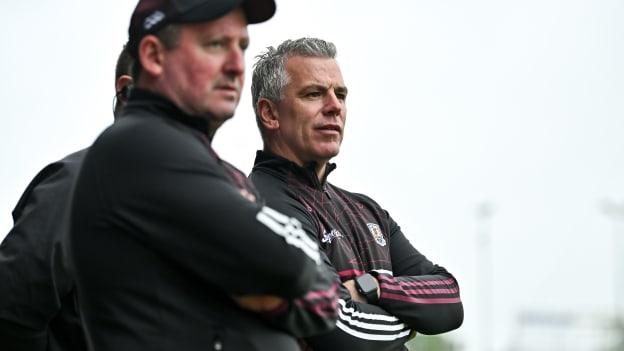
366 285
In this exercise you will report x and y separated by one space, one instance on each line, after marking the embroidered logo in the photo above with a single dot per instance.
377 234
153 19
328 237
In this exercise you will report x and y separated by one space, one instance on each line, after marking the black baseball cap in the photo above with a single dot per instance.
151 15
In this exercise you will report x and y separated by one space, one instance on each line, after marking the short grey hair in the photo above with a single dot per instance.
269 74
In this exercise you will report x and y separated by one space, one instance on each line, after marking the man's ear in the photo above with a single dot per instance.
123 85
151 55
267 112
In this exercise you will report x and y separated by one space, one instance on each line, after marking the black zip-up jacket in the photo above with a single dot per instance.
356 235
38 309
164 233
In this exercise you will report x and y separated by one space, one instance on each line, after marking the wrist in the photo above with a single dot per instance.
368 286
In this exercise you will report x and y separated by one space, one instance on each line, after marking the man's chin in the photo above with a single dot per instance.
225 110
221 114
329 153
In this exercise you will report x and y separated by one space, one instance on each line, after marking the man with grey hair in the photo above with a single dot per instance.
389 290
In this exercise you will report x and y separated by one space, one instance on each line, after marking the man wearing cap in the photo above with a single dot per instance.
172 247
38 310
389 289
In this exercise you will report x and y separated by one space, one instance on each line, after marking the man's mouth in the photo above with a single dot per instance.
228 87
330 128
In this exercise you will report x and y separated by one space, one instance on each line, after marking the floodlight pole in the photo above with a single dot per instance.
484 214
614 210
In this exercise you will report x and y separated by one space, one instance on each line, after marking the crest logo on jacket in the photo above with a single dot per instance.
377 234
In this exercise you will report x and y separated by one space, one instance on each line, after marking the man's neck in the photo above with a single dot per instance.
319 165
213 125
320 170
212 128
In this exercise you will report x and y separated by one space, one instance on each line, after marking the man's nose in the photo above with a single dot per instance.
235 62
333 105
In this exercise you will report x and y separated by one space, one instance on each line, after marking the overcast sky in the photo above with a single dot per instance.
452 103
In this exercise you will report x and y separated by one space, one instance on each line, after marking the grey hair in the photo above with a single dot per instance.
269 75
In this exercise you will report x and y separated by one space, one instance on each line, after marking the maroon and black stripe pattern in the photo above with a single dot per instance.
323 303
430 289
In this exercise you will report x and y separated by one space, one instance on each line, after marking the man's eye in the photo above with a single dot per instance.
341 96
313 94
214 44
244 45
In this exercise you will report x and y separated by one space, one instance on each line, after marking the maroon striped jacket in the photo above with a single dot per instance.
357 236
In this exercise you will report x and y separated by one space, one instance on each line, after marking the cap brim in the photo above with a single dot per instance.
256 11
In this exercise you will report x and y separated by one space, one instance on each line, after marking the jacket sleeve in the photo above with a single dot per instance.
160 186
317 309
312 313
360 326
423 295
35 282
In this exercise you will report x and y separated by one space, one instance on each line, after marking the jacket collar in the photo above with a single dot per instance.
144 100
267 160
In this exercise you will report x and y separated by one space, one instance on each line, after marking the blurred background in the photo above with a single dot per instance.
492 131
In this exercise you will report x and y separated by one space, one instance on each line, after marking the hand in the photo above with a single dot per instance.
259 303
355 295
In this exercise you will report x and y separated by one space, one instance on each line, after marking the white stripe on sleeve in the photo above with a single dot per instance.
369 336
290 229
372 330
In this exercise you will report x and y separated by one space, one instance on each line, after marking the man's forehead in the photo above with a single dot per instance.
314 70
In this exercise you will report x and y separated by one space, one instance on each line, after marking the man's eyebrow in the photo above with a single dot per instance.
342 89
313 86
323 88
316 86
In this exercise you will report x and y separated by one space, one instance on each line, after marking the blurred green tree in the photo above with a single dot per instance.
430 343
618 327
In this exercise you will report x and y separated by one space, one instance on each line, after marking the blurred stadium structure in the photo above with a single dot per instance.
546 331
550 331
540 330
